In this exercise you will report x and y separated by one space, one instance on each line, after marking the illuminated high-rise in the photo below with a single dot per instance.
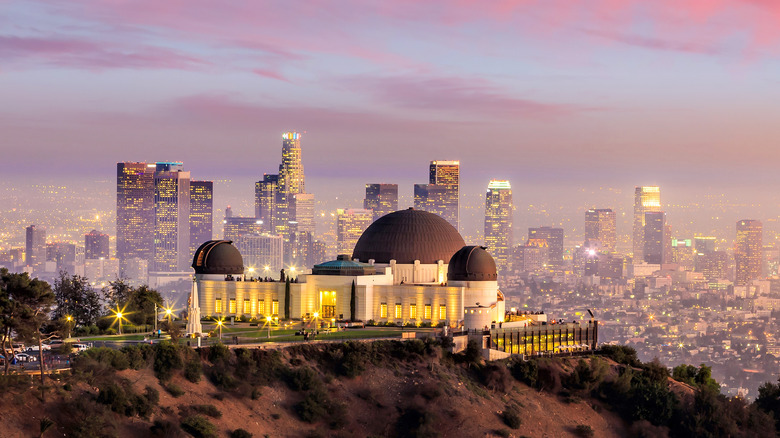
96 245
441 194
262 253
381 199
265 201
654 237
201 213
35 248
646 199
171 218
552 238
748 251
498 222
291 182
235 227
600 225
134 213
350 224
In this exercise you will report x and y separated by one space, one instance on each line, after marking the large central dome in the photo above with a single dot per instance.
406 236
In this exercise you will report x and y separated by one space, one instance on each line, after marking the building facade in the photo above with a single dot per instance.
646 199
172 217
553 237
654 237
382 199
134 212
35 246
350 224
498 222
748 251
600 224
442 193
96 245
201 213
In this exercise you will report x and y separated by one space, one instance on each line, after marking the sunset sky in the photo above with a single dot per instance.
614 92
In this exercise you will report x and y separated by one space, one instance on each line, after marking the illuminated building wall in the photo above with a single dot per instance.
96 245
263 254
446 202
172 218
683 253
298 248
35 248
134 212
713 265
291 182
235 227
201 213
600 225
646 199
655 227
748 251
381 199
350 224
498 222
554 239
265 201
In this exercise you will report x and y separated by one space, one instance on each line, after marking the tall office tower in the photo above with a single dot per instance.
350 224
265 201
262 253
683 253
430 197
748 253
228 211
646 199
446 205
95 245
655 227
600 225
713 264
134 213
201 213
498 222
63 255
235 227
291 182
381 198
667 244
301 229
554 239
704 245
171 218
35 250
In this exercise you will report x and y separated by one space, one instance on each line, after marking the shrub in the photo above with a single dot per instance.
209 410
526 371
199 427
622 354
115 398
115 358
218 352
138 356
152 395
165 429
193 370
240 433
512 418
166 360
583 431
313 407
174 390
496 377
303 379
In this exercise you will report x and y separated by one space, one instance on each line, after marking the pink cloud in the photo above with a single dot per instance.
91 55
270 74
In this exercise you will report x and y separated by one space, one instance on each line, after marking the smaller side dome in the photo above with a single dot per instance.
218 257
472 263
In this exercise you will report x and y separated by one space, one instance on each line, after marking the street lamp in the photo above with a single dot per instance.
119 319
219 324
268 323
169 313
69 319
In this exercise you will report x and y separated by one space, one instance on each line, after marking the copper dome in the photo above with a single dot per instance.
218 257
406 236
472 263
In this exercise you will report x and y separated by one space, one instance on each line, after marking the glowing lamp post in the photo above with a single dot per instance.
69 319
268 323
119 321
219 324
169 314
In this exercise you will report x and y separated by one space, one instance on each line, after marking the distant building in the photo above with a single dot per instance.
646 199
235 227
35 249
441 195
748 251
134 212
201 213
498 222
350 224
600 225
63 255
703 244
382 199
265 201
554 239
683 253
714 265
96 245
172 217
655 231
263 254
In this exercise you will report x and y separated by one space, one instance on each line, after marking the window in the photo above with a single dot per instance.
442 312
413 311
427 314
247 306
232 308
261 307
383 310
275 307
218 306
398 314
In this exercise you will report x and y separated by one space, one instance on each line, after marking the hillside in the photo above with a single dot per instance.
385 388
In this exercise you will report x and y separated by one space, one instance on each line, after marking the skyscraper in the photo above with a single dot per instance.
134 212
600 225
381 199
235 227
201 213
291 182
554 239
441 194
646 198
654 237
748 251
350 224
498 222
95 245
172 218
35 248
262 253
265 201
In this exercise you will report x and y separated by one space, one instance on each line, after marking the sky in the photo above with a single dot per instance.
617 93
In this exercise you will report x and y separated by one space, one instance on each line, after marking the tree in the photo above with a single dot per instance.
140 306
768 400
352 302
117 293
287 298
75 297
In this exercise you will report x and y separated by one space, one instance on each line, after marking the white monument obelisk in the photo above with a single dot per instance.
193 312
